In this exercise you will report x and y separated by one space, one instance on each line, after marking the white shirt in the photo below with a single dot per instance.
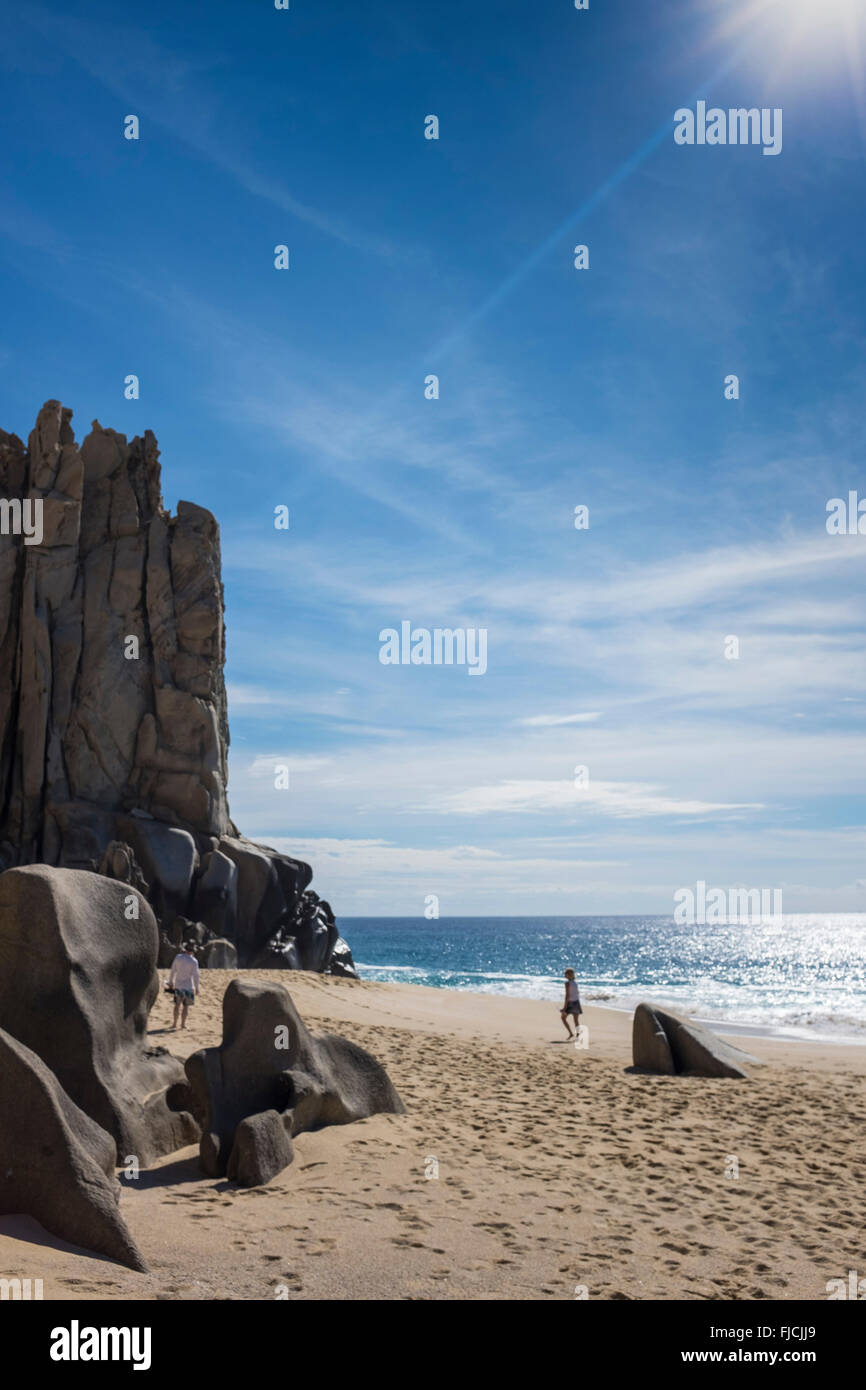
571 992
184 972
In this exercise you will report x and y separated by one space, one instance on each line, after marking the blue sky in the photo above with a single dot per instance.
602 387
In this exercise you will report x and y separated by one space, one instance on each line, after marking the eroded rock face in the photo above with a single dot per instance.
651 1050
56 1163
113 723
269 1062
88 729
77 982
663 1042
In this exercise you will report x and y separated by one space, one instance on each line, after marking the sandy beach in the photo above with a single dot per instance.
557 1168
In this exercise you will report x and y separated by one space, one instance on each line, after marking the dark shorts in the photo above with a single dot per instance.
574 1008
184 996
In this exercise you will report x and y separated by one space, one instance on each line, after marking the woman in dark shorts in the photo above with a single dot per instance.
571 1008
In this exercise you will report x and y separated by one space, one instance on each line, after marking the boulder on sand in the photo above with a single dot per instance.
268 1060
651 1050
688 1048
77 981
262 1148
56 1163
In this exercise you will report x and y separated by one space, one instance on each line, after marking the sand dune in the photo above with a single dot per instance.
557 1168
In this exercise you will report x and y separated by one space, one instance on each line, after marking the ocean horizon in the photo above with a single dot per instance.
798 974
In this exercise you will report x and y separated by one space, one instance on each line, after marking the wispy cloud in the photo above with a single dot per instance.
629 800
556 721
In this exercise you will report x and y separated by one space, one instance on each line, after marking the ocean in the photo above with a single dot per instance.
799 975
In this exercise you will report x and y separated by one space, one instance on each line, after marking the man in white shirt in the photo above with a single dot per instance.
184 980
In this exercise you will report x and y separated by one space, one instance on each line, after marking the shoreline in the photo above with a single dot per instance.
728 1027
749 1030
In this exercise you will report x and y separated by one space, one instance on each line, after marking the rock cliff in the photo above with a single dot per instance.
113 722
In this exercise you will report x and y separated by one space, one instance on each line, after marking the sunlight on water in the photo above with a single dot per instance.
801 973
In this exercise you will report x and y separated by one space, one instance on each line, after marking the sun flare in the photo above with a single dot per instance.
800 27
817 44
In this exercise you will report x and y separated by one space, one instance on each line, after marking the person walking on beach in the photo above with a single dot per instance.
571 1008
184 980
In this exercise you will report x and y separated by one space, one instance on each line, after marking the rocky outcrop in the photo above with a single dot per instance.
77 982
81 1090
269 1066
119 701
113 722
342 962
56 1163
663 1042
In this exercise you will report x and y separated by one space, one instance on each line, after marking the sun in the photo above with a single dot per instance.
825 11
792 24
791 15
812 43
